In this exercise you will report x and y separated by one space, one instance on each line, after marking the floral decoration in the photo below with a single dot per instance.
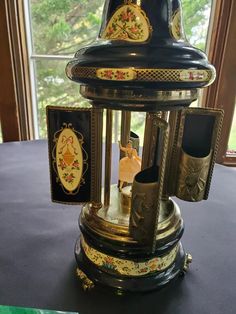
62 164
120 266
75 165
130 23
116 74
193 75
68 177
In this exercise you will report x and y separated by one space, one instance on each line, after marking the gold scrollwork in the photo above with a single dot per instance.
87 284
187 261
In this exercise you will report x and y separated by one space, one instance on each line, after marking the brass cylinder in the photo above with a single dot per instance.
170 171
192 177
144 206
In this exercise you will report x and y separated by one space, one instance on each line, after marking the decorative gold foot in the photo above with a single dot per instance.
87 284
187 261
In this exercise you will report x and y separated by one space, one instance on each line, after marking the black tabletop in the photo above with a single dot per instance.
37 265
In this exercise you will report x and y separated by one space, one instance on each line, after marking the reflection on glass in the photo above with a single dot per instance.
138 125
232 139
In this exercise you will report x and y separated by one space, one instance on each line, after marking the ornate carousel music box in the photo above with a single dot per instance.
131 230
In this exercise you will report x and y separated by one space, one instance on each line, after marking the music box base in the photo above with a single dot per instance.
108 256
106 274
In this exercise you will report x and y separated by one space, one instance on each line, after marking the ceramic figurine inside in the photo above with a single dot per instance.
129 165
131 230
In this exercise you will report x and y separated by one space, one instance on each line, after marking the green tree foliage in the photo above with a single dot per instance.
196 19
61 27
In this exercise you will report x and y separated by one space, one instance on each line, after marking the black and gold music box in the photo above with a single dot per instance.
131 230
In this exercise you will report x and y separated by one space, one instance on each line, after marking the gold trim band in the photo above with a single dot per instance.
125 267
150 75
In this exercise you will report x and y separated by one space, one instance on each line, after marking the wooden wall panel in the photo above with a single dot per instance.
222 54
8 104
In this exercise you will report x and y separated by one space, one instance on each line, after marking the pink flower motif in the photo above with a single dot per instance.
75 164
134 29
120 75
191 76
127 16
108 260
110 30
153 266
143 270
69 177
108 74
62 164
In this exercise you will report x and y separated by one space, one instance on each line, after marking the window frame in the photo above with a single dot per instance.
23 75
221 53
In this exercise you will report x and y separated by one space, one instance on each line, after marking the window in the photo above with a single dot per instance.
57 29
0 133
222 93
231 151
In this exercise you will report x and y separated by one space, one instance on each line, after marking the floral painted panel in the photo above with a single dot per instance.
118 74
69 159
128 267
129 23
69 147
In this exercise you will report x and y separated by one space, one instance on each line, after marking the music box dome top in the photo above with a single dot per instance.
141 55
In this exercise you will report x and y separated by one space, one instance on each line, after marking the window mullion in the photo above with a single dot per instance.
32 72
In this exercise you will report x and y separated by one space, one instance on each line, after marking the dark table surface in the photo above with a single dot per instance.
37 265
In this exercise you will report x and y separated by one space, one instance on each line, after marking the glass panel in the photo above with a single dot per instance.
138 124
55 89
232 139
61 27
196 15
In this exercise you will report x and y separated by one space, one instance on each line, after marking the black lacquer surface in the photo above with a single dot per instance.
131 251
160 51
126 284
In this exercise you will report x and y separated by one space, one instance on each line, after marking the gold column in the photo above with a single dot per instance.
108 158
96 171
169 180
125 129
171 162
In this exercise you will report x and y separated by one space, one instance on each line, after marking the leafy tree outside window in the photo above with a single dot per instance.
59 28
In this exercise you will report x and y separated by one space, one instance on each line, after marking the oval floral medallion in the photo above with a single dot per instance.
69 160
